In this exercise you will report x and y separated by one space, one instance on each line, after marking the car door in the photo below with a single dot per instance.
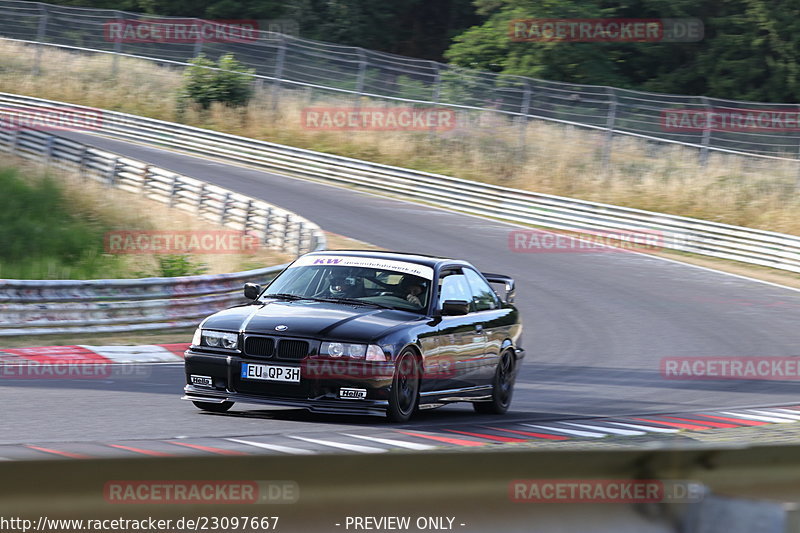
461 342
486 311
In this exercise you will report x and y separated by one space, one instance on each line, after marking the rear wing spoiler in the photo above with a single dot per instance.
505 280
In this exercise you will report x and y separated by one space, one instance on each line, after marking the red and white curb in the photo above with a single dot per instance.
411 437
83 354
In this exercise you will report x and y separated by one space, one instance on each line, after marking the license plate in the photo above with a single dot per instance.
284 374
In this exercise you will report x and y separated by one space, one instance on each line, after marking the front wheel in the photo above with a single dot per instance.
404 397
502 388
213 407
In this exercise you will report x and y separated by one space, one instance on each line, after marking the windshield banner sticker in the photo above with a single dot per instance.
365 262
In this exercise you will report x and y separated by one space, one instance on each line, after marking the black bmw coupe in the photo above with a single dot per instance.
362 332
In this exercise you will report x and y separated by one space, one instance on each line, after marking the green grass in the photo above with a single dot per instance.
42 238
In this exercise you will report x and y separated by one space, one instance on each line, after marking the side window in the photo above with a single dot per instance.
454 287
482 296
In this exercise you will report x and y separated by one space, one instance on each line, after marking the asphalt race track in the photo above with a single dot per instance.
596 328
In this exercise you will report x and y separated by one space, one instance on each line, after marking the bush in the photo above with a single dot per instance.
171 266
231 84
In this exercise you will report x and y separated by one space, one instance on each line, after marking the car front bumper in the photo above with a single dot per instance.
318 390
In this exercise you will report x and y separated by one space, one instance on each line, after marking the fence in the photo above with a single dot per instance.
702 237
31 307
285 60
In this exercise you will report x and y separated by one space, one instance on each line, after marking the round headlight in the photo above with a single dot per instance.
335 349
356 351
228 341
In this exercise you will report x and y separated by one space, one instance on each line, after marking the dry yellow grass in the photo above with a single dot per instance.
559 160
125 211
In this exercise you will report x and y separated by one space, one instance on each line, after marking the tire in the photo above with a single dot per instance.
404 396
502 388
213 407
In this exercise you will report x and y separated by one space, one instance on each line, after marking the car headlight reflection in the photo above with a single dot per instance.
219 339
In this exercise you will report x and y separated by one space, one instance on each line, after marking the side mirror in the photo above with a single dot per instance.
455 307
510 291
252 290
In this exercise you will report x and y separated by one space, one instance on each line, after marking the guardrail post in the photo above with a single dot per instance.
111 173
224 213
12 146
82 162
247 214
437 83
145 178
198 45
278 74
173 190
287 228
268 225
362 72
301 231
522 120
41 36
201 197
609 137
117 50
48 150
706 141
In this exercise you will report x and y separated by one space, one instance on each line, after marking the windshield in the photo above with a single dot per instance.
385 285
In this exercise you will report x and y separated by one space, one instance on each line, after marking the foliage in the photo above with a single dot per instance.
41 236
170 266
750 49
227 82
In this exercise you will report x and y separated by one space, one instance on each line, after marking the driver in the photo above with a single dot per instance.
411 291
338 286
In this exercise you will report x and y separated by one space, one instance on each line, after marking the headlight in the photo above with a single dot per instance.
196 339
219 339
343 349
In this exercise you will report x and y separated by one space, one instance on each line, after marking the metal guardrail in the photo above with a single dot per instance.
31 307
289 61
753 246
746 489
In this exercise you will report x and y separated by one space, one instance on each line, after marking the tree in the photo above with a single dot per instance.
227 82
749 51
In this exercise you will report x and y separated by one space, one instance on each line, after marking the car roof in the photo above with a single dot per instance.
422 259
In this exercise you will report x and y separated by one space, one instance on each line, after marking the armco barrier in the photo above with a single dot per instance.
746 489
702 237
32 307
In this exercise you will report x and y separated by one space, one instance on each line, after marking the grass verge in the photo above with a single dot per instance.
55 226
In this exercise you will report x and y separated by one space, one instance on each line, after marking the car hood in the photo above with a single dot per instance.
312 319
